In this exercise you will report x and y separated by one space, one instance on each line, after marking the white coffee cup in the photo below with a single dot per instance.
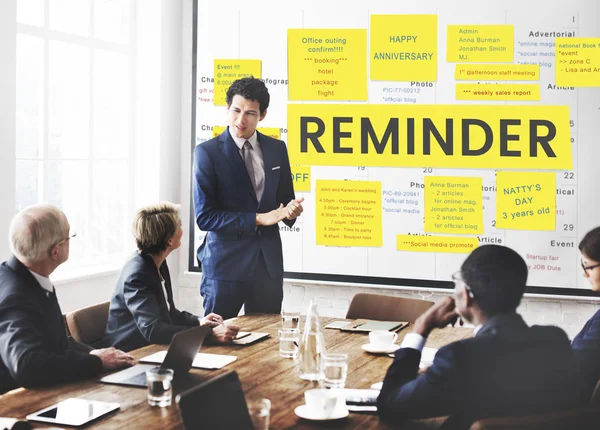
382 339
322 402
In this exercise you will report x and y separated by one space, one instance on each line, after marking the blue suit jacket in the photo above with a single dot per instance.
586 352
507 369
225 206
138 314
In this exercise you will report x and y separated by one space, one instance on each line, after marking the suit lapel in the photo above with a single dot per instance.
231 151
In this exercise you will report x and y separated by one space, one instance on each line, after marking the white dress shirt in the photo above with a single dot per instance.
257 160
416 341
45 283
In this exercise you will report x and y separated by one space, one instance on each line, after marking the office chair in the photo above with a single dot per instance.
87 324
386 308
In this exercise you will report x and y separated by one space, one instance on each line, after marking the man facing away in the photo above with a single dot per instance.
242 188
507 368
34 347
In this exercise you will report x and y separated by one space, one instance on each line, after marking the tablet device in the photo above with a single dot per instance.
73 412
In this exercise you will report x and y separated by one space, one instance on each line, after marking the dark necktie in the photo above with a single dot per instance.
247 156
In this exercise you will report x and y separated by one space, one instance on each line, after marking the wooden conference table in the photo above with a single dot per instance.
262 372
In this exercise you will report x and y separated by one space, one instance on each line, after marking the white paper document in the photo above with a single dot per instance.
360 400
202 360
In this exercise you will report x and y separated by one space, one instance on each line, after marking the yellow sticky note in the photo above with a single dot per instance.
447 244
348 213
453 204
227 71
403 48
526 200
301 178
497 72
485 92
449 136
480 43
327 64
273 132
578 62
217 130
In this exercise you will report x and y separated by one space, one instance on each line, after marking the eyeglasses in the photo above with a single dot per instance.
73 234
591 267
456 278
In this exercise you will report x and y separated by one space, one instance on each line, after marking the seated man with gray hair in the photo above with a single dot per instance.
34 347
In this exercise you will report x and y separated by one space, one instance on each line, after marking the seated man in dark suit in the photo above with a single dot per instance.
507 368
142 310
34 347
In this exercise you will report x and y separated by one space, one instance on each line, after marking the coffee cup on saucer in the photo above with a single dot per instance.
382 340
323 403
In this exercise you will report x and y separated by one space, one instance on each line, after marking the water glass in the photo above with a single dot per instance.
290 320
260 412
159 386
335 370
288 342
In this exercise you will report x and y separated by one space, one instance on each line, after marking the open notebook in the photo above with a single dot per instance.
365 326
201 361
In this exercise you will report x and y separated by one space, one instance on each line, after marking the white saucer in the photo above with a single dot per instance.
303 412
370 348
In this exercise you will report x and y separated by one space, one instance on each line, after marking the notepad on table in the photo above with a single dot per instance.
365 326
201 361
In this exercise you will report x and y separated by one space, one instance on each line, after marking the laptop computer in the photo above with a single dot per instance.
215 404
180 355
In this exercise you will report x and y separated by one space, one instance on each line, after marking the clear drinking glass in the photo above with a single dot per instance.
159 386
260 412
290 320
335 370
288 342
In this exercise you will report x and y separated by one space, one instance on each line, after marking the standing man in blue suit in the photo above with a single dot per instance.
242 188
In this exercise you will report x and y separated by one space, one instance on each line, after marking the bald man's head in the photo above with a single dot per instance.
35 231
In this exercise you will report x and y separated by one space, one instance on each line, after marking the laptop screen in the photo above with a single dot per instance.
215 404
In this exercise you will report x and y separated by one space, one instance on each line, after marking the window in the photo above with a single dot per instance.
74 121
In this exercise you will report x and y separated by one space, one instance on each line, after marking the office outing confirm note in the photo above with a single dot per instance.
348 213
453 205
227 71
526 200
403 48
327 64
480 43
578 62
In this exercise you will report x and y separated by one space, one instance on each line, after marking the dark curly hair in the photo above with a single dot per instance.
497 275
252 89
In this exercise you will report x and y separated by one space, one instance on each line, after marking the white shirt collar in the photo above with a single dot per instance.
45 283
476 329
239 141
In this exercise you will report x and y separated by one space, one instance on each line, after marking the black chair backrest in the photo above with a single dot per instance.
215 404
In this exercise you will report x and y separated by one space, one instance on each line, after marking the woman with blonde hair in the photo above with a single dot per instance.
142 310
